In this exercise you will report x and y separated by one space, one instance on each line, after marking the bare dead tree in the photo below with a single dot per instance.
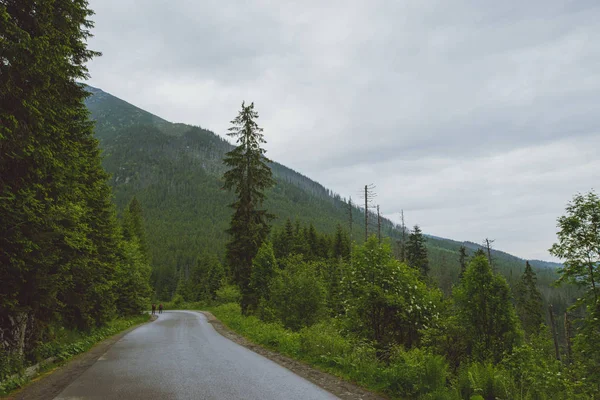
488 244
369 196
403 247
350 217
378 224
554 333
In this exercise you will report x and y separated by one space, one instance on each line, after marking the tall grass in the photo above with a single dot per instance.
407 374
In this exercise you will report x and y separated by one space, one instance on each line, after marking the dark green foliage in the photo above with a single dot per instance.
587 352
133 226
264 268
132 280
579 244
341 244
416 252
385 300
249 176
202 282
297 295
484 306
528 301
534 370
61 250
59 231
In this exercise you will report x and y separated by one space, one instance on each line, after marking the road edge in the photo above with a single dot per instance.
49 384
335 385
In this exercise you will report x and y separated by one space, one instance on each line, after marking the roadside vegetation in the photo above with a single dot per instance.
72 271
65 345
376 317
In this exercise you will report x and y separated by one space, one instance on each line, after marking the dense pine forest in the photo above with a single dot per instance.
106 208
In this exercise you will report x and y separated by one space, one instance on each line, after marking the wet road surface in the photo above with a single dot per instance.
181 356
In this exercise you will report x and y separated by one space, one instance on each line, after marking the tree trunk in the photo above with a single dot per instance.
18 329
554 334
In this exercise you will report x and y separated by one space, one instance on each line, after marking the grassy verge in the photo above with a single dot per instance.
65 346
414 374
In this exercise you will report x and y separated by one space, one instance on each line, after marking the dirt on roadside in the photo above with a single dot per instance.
337 386
49 384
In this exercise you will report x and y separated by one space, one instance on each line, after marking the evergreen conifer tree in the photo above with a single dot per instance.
416 251
484 306
249 176
263 270
528 301
341 244
60 234
133 225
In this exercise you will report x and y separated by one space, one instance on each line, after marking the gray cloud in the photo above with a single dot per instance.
479 118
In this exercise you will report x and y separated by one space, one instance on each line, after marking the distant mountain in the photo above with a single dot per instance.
175 172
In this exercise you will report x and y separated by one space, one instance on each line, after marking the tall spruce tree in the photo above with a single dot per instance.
528 301
249 176
416 251
341 244
58 249
133 225
484 306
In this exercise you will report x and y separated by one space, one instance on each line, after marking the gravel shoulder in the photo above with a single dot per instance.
49 384
343 389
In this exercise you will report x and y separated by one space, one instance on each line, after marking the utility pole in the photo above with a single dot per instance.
369 195
403 248
378 224
366 213
350 217
488 245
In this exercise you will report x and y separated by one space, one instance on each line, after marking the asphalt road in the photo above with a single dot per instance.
181 356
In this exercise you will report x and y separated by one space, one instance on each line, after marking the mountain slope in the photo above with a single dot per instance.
175 171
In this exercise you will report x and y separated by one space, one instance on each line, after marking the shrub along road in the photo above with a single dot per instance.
181 356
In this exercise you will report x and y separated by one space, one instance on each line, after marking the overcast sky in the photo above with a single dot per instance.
478 118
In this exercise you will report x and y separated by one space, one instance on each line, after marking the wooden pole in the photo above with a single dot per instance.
403 251
378 224
366 214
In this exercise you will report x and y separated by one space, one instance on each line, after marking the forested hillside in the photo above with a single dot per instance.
175 171
107 209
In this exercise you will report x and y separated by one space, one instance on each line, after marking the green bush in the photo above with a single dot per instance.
535 371
177 301
483 379
228 294
297 296
323 344
416 372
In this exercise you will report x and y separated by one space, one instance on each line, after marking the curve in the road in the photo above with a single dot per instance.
181 356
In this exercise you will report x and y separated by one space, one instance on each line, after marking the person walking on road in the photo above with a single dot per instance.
160 308
153 308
